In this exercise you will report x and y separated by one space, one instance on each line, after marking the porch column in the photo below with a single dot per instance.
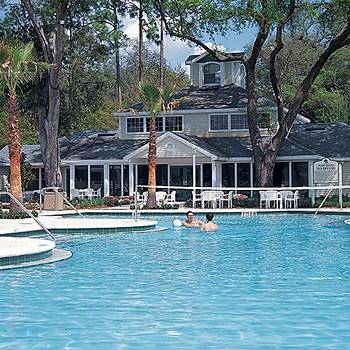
71 178
168 171
340 183
89 176
131 179
106 179
290 174
194 177
40 179
121 179
236 180
251 180
311 182
213 173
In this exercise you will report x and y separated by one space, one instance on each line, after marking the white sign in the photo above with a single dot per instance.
325 171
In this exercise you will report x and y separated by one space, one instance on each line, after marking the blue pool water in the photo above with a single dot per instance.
264 282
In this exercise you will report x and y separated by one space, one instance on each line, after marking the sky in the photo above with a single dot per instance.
176 51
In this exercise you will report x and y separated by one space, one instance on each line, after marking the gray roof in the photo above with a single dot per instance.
330 140
208 57
32 153
216 97
323 140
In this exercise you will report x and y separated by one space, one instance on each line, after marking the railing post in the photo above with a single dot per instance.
340 192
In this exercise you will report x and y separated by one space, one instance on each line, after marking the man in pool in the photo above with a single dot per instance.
210 225
191 220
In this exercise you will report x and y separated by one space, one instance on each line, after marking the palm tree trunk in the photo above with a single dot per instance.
14 145
152 164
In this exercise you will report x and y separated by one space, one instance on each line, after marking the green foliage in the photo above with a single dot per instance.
26 172
110 201
18 65
16 215
329 97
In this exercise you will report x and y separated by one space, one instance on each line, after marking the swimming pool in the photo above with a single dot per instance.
262 282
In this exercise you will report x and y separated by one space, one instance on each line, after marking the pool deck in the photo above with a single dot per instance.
56 222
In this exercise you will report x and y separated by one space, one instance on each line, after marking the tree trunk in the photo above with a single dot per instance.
53 51
141 48
118 75
152 164
48 133
14 145
161 57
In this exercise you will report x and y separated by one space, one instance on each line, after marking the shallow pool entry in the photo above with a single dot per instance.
260 282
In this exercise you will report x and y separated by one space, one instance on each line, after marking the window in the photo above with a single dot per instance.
228 175
211 73
173 123
299 174
159 124
134 125
219 122
207 175
239 121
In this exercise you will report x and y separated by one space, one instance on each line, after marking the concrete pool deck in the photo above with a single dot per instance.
23 252
75 225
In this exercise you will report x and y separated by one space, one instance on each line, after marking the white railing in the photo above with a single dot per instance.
313 189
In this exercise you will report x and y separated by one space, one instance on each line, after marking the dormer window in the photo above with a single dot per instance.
211 73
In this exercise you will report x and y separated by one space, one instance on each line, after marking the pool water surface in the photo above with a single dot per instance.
263 282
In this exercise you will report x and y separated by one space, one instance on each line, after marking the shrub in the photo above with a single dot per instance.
17 215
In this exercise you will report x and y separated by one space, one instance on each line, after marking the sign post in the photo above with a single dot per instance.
327 172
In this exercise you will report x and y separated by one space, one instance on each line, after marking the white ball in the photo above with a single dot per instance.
177 223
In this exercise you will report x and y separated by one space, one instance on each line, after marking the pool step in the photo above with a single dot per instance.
21 252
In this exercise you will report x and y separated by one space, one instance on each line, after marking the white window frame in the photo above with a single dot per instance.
145 132
135 132
175 115
241 129
220 130
201 74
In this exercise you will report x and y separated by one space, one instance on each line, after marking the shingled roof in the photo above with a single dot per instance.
322 140
215 97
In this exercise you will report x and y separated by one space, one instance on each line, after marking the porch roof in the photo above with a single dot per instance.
323 140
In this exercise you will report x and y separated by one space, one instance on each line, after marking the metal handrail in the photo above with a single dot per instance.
324 199
28 213
69 203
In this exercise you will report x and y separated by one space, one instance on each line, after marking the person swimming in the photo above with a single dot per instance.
191 221
210 225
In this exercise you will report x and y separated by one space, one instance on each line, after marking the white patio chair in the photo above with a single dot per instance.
274 197
196 197
293 200
89 193
160 197
74 193
211 198
263 198
286 196
97 193
226 198
171 198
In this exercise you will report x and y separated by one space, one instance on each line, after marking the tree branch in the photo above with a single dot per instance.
339 41
273 56
220 56
39 30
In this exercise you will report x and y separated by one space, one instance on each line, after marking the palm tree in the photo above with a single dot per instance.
17 67
154 103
